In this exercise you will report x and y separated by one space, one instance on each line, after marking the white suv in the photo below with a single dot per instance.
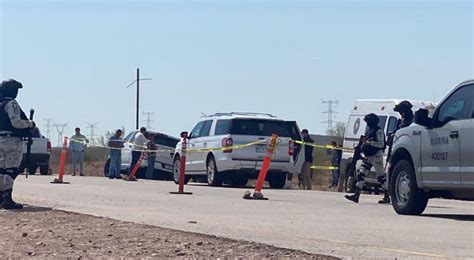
237 166
435 157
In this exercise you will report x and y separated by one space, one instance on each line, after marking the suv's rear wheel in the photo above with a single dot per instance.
214 178
277 180
407 198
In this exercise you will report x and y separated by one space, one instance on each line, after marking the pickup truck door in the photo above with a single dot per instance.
298 156
467 146
467 153
441 144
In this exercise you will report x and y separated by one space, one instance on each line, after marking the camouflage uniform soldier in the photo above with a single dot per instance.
14 126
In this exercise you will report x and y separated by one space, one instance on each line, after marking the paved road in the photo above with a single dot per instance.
317 222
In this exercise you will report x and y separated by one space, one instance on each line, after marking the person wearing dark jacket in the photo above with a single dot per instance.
308 155
335 160
373 147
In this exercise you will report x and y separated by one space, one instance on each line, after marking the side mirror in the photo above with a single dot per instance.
422 118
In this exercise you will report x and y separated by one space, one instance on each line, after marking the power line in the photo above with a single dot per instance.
60 129
92 128
48 127
149 120
331 113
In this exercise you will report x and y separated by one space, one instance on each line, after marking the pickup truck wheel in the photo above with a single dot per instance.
407 198
176 171
277 180
32 168
44 169
214 178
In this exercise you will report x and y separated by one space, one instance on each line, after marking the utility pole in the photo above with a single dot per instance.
138 96
331 114
60 129
92 128
148 119
48 127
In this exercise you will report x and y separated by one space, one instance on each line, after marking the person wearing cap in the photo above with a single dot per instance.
14 126
308 161
77 145
404 108
115 144
372 147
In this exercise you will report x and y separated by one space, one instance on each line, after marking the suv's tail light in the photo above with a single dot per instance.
291 148
227 142
48 146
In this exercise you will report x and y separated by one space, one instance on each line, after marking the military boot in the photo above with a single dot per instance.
386 199
8 202
355 197
1 199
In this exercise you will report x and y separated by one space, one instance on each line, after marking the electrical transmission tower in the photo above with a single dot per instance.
48 127
149 120
92 128
331 114
60 129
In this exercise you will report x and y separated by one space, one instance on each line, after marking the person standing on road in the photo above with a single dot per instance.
139 145
308 156
151 156
77 145
373 147
335 160
14 126
116 144
404 108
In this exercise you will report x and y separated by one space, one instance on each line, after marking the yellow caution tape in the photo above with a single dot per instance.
321 167
328 147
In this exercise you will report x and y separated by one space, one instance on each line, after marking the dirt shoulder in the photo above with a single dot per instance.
42 232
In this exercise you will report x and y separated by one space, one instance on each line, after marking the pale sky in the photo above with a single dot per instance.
75 58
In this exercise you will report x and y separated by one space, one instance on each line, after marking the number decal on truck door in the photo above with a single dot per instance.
439 156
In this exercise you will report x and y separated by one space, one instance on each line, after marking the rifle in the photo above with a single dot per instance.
28 145
351 170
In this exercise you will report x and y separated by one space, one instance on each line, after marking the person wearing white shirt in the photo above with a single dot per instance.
139 144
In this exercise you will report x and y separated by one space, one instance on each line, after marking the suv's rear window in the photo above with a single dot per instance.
165 141
259 127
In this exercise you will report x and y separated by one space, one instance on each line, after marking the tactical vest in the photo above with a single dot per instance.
368 149
6 124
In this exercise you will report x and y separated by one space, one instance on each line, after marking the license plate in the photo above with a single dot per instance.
261 148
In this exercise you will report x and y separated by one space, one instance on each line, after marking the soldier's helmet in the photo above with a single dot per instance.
371 119
9 88
403 106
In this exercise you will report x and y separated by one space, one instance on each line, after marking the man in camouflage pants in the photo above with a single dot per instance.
14 126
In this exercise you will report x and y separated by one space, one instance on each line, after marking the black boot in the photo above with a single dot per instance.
386 199
8 202
355 197
1 199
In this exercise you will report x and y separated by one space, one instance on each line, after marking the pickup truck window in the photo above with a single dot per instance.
457 107
392 125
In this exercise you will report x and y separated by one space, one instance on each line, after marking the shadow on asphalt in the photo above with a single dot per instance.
33 209
458 217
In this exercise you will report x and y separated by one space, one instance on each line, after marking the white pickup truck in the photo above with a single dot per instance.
434 158
39 156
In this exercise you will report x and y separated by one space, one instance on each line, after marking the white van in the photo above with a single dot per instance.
356 127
